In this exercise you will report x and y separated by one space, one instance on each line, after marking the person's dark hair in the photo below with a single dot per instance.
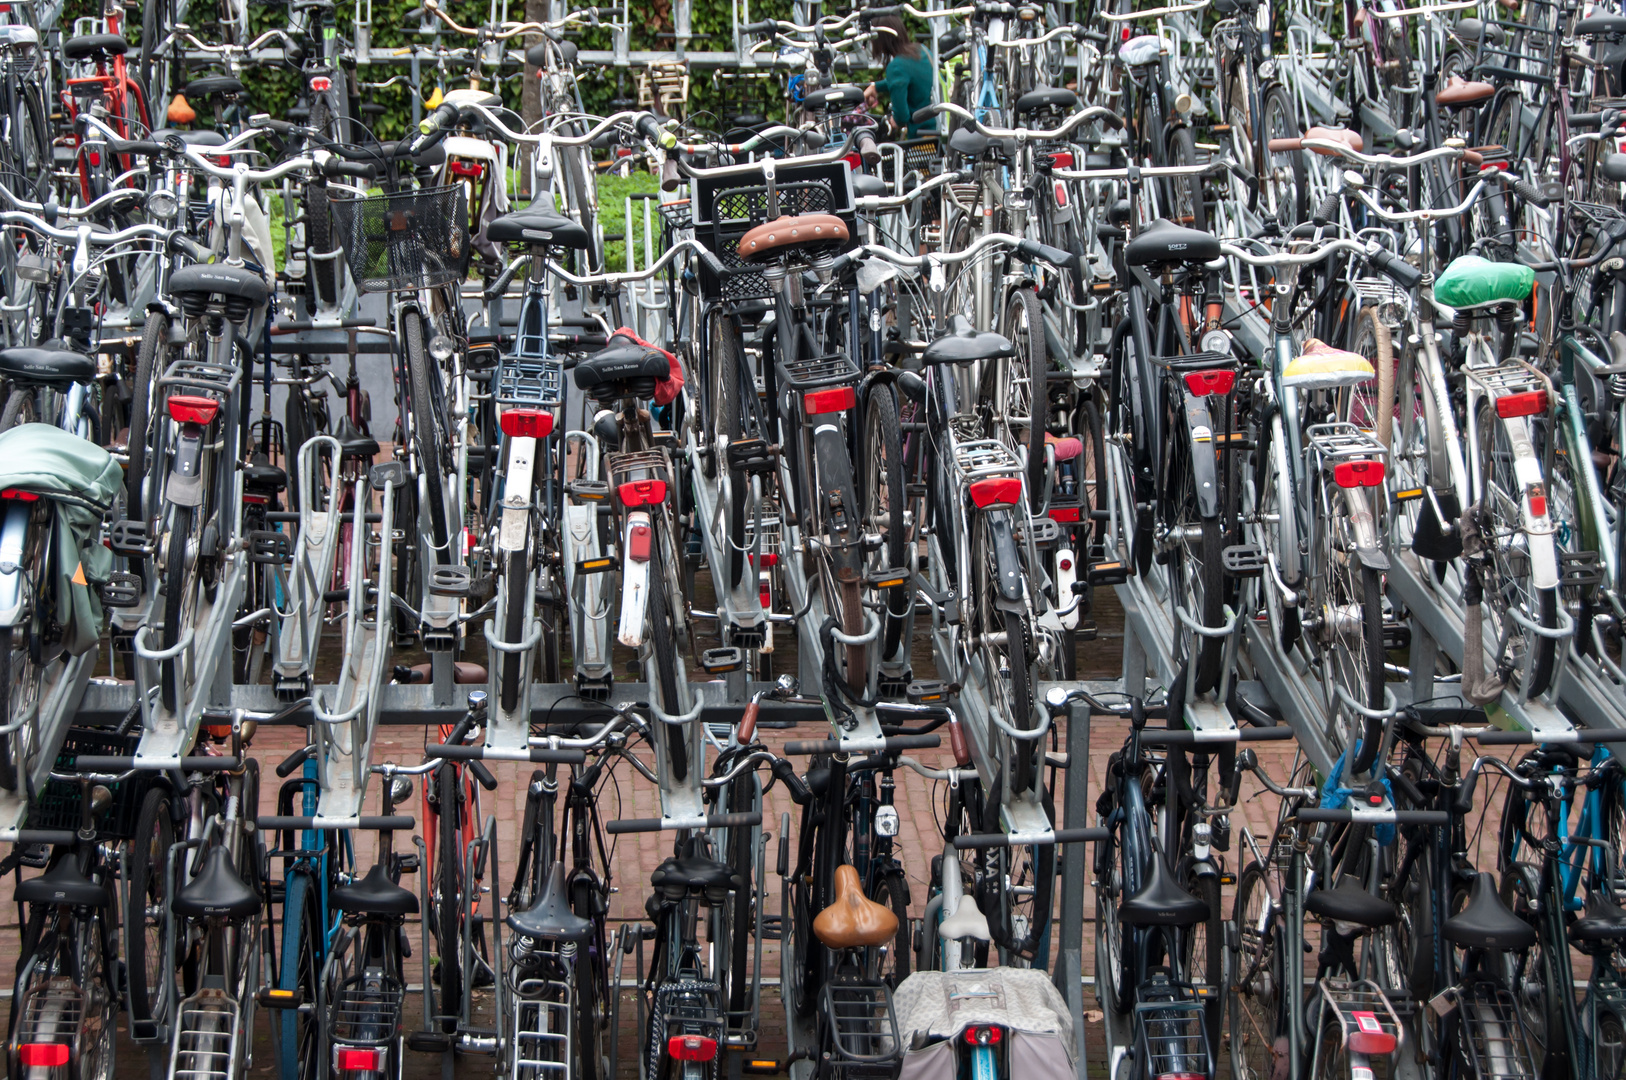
898 43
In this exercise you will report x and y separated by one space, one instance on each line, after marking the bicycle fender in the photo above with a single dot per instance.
1200 433
838 497
514 532
185 484
635 548
1368 546
1203 868
13 543
1007 564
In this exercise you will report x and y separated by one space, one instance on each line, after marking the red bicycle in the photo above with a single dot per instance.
115 88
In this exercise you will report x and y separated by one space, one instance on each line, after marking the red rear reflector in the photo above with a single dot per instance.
48 1055
321 84
95 158
765 597
1065 514
526 423
997 491
836 399
988 1035
766 559
1062 159
1364 1042
1351 474
20 495
1060 190
360 1060
642 492
1526 404
187 409
638 538
691 1048
473 170
1203 383
1538 500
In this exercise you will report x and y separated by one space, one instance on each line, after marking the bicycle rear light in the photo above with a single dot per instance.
526 423
20 495
43 1055
1203 383
997 491
641 493
835 399
986 1035
1369 1036
191 409
1353 474
353 1059
691 1048
1528 403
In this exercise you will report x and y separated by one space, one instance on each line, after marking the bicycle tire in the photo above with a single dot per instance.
661 641
1257 1033
176 586
19 409
726 373
449 878
1278 121
1031 365
892 891
298 1034
1200 573
425 433
1182 151
325 276
742 796
146 904
1208 953
154 343
883 475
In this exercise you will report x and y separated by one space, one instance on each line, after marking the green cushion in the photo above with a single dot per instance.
1474 282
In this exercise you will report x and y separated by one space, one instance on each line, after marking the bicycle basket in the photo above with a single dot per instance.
58 805
408 240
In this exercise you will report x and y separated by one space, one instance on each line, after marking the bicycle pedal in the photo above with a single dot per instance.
1396 636
1243 560
887 579
121 590
760 1067
722 660
752 455
429 1042
450 581
601 565
274 998
130 539
1579 569
387 474
1085 631
1106 573
926 692
589 490
270 548
663 440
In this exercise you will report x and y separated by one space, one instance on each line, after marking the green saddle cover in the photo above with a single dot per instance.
1474 282
82 480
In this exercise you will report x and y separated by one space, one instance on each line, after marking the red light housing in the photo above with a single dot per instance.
46 1055
642 493
1528 403
986 1035
526 423
1353 474
1062 159
835 399
1369 1036
472 170
20 495
1180 1076
1538 500
1060 190
190 409
1203 383
1066 514
321 83
691 1048
638 539
355 1060
997 491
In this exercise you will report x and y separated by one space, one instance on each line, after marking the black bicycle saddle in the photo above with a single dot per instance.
550 917
1486 923
217 891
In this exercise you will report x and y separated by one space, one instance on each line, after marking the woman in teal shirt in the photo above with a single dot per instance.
906 75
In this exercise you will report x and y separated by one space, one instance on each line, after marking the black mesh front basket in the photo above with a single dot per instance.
58 805
736 211
408 240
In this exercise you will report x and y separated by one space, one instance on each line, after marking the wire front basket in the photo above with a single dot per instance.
407 240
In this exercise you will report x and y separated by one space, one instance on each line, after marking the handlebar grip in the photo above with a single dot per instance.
460 731
141 147
998 840
913 742
1396 269
653 824
96 763
766 26
786 772
1327 208
179 241
632 825
538 755
1032 250
335 167
482 774
1112 120
923 115
868 151
275 126
381 824
46 836
650 128
734 819
293 761
748 722
1529 193
1473 157
671 178
1280 733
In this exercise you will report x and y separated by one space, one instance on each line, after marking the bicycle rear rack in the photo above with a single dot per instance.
1505 380
812 372
863 1027
975 459
1172 1037
366 1011
51 1011
206 1037
529 381
1340 441
683 1007
1496 1035
1369 1022
543 1004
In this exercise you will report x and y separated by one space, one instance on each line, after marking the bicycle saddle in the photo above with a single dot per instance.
1163 242
865 184
1470 29
974 144
1350 903
695 875
1486 923
1162 902
426 159
374 894
965 918
1595 25
353 442
807 233
853 920
963 344
217 891
1142 49
1603 919
842 96
222 278
1459 93
63 884
1252 701
1613 167
30 365
537 55
210 85
263 478
535 226
1321 366
99 46
550 916
1044 98
621 361
190 138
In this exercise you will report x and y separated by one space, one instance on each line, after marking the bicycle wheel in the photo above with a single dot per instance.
449 901
743 796
19 409
884 500
1351 605
325 276
1198 565
180 588
1258 1031
1024 395
1204 958
427 435
152 357
98 1028
1005 643
1507 580
725 411
1185 206
516 580
665 652
298 1032
890 963
146 908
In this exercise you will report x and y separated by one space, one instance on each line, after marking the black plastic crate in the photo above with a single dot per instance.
58 805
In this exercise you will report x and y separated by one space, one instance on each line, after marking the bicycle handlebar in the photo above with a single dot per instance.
204 763
977 841
711 821
538 754
381 824
1078 119
888 744
1364 816
1528 738
1225 735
